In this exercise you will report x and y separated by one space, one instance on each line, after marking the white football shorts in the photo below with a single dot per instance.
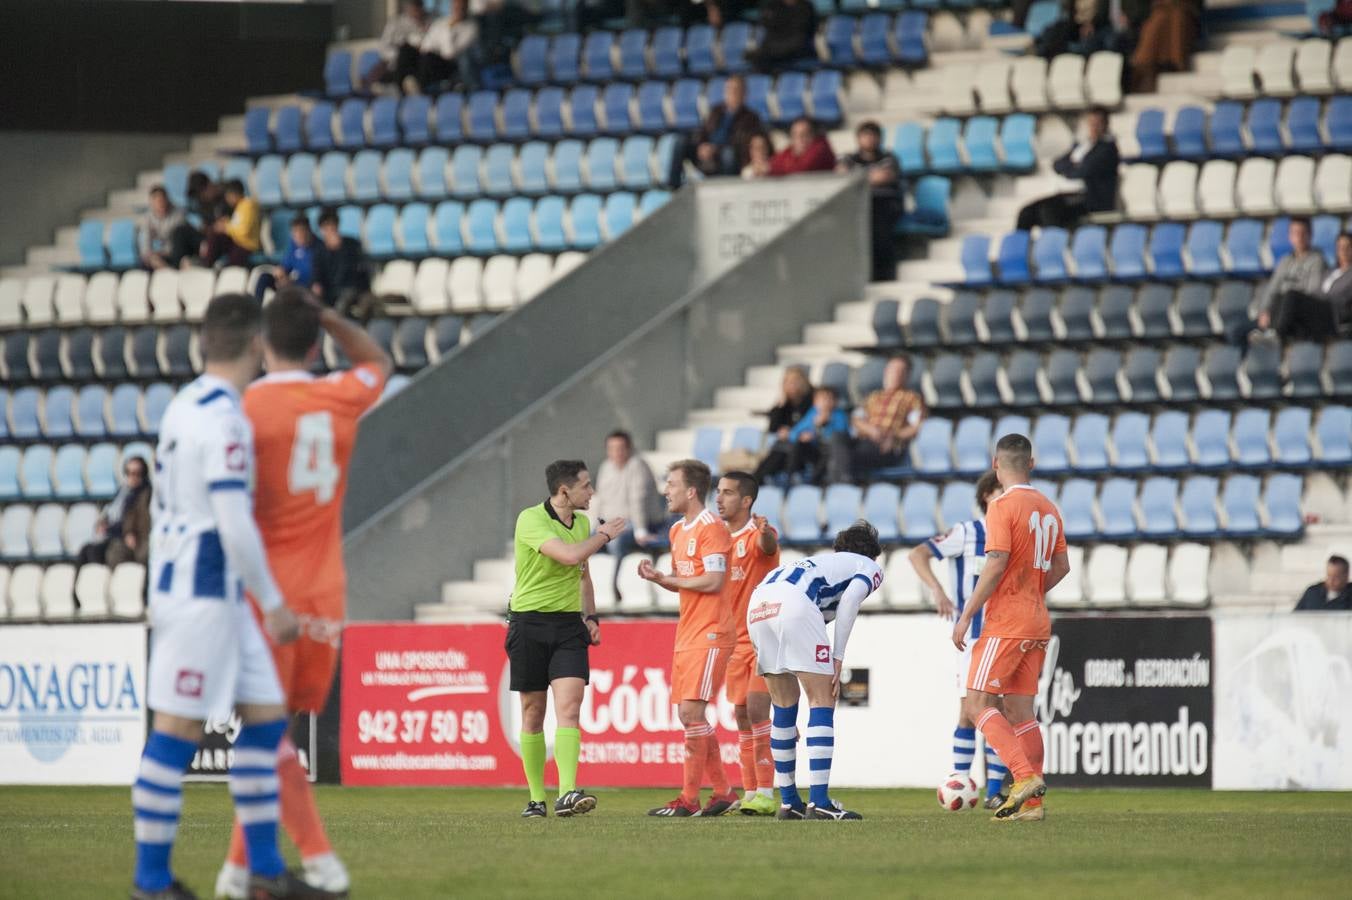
788 631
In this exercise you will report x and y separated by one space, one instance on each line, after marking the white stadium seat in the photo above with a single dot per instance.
1178 190
25 590
1294 185
395 279
37 299
78 528
1069 593
11 297
1028 82
1106 576
126 590
465 283
1188 567
1254 186
429 286
1145 575
992 87
1333 182
1342 65
231 280
1237 65
635 593
533 275
1314 59
14 523
4 591
901 586
957 93
1066 81
1103 79
1138 190
602 567
1275 63
567 262
1216 188
196 287
58 592
100 298
48 521
69 299
133 296
499 282
91 589
164 295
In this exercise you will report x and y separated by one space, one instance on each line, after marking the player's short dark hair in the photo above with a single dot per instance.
328 216
235 186
230 322
291 323
747 486
871 127
300 220
623 435
696 475
1301 220
1017 449
986 485
563 473
861 538
1336 560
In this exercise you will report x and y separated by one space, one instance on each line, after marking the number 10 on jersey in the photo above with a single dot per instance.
1043 529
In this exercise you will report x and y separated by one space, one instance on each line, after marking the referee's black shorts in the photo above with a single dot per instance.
542 646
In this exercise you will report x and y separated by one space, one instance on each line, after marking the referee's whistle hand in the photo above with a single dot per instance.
612 528
281 625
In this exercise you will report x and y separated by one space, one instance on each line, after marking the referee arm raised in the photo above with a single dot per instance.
551 625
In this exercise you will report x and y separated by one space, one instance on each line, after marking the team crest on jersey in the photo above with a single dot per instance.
877 579
741 547
690 547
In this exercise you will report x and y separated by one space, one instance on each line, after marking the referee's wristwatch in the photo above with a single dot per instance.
595 620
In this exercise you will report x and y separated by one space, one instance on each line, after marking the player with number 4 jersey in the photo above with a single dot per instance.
304 431
1025 558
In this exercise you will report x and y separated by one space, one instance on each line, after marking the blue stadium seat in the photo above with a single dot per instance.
975 257
1117 515
1089 441
875 50
802 514
298 179
516 115
481 227
481 116
1324 236
350 221
289 130
257 134
1281 497
931 450
1197 507
1130 437
568 166
101 471
1211 439
1077 508
983 376
651 107
1127 251
918 506
979 139
699 50
1265 126
1338 121
532 60
10 460
1239 499
448 118
665 158
548 224
1279 239
1291 434
465 178
1041 14
338 74
596 56
1050 437
909 37
413 223
23 414
732 45
770 503
652 201
635 162
268 180
1304 370
929 213
175 181
842 503
89 412
68 472
972 442
1194 310
1060 371
564 53
757 94
366 63
998 314
1170 439
431 172
122 253
685 96
1166 249
385 122
881 507
616 101
516 219
957 503
1225 129
1049 256
446 221
666 52
789 92
1159 497
1089 250
1035 309
366 176
838 35
908 144
333 177
941 146
1302 124
1017 133
533 168
379 230
319 127
352 124
35 472
582 111
89 242
1243 244
497 170
584 217
1101 368
1153 303
959 318
1150 135
549 113
1189 134
1012 259
824 93
633 50
1333 432
621 208
1204 249
601 158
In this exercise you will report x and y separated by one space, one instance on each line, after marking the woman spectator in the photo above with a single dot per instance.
1166 42
758 151
808 151
795 399
122 532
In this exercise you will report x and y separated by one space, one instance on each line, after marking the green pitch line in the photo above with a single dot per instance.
415 843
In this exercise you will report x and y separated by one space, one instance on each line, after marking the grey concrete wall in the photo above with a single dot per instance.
47 177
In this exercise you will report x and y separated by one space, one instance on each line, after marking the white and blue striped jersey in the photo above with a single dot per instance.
205 446
964 546
823 578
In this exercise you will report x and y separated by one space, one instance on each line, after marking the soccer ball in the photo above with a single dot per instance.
958 792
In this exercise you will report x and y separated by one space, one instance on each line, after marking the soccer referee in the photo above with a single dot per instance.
550 627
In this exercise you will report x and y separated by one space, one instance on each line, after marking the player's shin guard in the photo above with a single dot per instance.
255 788
997 731
765 764
1030 739
964 749
696 754
533 763
567 751
300 815
784 749
156 801
746 746
821 744
995 772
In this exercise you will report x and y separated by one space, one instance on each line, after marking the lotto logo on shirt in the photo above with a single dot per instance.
188 683
823 653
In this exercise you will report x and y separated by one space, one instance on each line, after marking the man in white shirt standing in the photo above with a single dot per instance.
448 50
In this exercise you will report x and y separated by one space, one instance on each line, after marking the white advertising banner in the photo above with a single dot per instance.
1283 719
72 703
736 218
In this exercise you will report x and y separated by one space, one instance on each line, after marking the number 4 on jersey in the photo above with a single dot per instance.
1043 529
313 467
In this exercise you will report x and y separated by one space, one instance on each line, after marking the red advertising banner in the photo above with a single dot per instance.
430 705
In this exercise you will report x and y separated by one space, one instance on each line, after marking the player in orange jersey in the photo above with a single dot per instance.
705 633
1025 558
304 431
755 554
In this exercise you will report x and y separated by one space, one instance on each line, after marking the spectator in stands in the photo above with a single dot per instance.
1093 160
122 532
1291 305
808 151
232 238
1333 593
400 45
1337 286
162 239
450 51
884 426
884 180
342 276
795 399
626 489
811 440
1166 41
758 153
721 144
790 34
206 199
297 264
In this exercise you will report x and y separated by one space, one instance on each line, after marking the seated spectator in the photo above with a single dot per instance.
122 532
812 439
723 141
808 151
400 45
1333 593
1291 305
758 152
206 199
1093 160
163 239
884 180
342 276
626 488
790 34
884 426
449 51
232 239
297 265
1166 41
1337 286
795 399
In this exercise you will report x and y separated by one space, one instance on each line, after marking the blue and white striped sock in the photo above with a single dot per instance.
255 788
156 802
784 750
821 743
964 749
995 772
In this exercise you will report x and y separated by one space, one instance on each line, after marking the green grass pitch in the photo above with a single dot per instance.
413 843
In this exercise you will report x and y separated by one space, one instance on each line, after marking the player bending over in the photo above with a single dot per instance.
1025 558
964 546
304 430
755 552
207 653
787 621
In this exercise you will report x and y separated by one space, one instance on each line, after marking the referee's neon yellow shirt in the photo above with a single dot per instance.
543 585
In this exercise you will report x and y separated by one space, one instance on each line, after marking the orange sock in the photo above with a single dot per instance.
300 816
746 743
695 755
999 734
765 761
714 770
1030 739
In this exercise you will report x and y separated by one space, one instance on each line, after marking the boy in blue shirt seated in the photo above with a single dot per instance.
811 438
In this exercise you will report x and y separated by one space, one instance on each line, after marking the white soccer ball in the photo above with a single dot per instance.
958 792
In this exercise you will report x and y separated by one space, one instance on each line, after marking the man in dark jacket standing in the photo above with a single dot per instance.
722 141
1333 593
1093 160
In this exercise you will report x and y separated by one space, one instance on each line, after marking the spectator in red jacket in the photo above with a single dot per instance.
808 151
